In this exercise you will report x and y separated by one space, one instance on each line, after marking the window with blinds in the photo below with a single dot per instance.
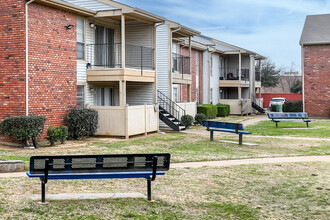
104 97
80 97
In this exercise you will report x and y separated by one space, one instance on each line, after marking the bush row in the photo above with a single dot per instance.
81 123
188 120
293 106
213 111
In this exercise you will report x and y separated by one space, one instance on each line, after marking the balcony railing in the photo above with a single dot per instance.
232 74
181 64
109 56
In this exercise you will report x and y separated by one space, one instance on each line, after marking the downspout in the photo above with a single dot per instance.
27 57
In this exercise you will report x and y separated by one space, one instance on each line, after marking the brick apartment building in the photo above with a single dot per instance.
315 44
51 66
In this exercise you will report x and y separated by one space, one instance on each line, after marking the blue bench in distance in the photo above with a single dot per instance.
236 128
289 116
118 166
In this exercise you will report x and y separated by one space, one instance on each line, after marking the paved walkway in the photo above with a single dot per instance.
252 161
223 163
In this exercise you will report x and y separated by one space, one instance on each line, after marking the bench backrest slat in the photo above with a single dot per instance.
288 115
224 125
99 163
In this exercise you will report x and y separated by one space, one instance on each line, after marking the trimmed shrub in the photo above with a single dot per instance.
60 133
293 106
199 118
210 111
23 128
187 120
82 123
51 135
63 133
223 110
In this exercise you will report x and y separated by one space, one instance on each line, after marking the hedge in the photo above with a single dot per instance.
23 128
293 106
223 110
210 111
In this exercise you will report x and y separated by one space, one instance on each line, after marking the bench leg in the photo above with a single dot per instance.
43 191
307 123
240 139
211 136
276 124
149 189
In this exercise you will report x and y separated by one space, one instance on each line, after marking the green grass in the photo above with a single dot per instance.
273 191
317 129
186 147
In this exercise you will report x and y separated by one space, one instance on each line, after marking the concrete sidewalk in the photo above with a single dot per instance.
252 161
223 163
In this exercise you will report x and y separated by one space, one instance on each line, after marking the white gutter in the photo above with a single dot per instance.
27 57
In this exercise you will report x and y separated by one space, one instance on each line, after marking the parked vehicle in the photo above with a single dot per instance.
277 101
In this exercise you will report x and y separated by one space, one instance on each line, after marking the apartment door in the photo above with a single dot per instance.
104 97
105 48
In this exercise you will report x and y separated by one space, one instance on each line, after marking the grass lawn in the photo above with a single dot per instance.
184 147
317 129
286 191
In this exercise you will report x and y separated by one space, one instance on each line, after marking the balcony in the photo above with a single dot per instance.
104 63
181 69
230 77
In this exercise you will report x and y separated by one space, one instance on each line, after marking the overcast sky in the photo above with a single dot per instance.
269 27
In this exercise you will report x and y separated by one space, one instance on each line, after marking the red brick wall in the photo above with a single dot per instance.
184 88
317 80
289 96
12 58
52 61
52 54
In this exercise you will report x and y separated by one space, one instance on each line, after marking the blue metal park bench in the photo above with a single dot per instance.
289 116
236 128
118 166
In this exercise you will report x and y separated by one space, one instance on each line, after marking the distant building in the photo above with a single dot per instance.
287 80
315 44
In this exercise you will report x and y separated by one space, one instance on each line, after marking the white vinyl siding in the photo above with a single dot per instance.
139 93
162 59
139 33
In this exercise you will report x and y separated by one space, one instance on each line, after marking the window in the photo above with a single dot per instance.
80 97
104 97
80 38
176 93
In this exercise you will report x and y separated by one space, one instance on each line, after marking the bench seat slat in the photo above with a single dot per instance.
112 175
303 120
230 131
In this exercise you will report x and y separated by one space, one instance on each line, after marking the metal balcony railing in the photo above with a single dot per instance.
109 56
232 74
181 64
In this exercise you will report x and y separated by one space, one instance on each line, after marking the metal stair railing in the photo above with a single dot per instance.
170 106
258 108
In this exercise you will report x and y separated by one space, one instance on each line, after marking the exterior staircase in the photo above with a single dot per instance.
258 108
170 113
